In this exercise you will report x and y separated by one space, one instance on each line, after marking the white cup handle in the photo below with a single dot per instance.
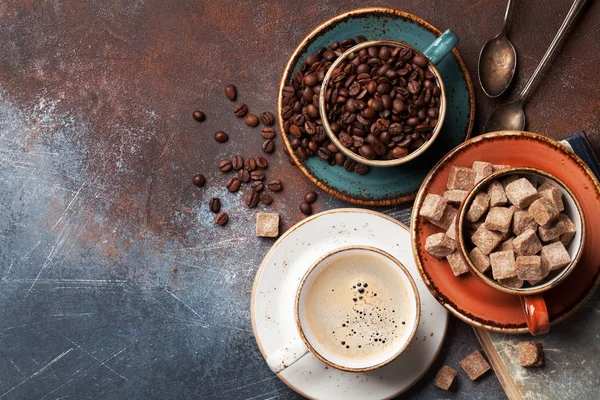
287 355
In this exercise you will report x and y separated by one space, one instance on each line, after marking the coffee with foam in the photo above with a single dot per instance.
358 308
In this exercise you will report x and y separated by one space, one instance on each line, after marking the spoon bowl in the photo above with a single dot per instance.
509 116
497 65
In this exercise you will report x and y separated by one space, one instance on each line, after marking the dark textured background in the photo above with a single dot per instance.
114 281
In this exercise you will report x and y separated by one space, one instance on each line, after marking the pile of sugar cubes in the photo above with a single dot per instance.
516 229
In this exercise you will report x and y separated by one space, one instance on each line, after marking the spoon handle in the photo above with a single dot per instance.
560 35
506 16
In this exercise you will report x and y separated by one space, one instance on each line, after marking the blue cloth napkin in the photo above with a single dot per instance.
580 144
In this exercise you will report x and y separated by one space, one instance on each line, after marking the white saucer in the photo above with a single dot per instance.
274 291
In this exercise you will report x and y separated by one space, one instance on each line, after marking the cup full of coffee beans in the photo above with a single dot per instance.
382 102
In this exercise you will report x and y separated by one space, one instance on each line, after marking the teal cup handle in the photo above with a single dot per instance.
441 46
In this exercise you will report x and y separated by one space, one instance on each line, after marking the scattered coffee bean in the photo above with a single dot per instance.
261 162
268 132
251 199
250 164
266 199
199 180
199 115
257 186
225 166
361 169
257 175
244 175
251 120
233 184
267 118
305 208
231 92
214 205
275 185
237 162
240 110
310 197
221 218
221 136
268 146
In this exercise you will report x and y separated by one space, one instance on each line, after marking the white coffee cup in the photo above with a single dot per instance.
357 309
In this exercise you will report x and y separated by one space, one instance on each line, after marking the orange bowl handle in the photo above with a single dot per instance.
536 314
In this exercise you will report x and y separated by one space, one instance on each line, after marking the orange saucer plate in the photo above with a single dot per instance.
467 297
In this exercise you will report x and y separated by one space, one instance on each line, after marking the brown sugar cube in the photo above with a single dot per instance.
447 218
499 219
497 195
543 211
439 245
531 354
522 221
527 243
509 179
555 256
445 377
475 365
503 264
521 193
499 167
471 227
569 229
552 231
478 207
451 232
529 268
455 196
507 245
486 240
457 264
552 193
462 178
433 207
267 224
514 282
482 170
479 260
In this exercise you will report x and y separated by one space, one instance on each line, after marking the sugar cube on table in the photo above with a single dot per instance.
479 260
555 256
531 354
553 194
455 196
267 224
482 170
552 231
543 211
433 207
475 365
529 268
451 231
486 240
503 264
522 221
521 193
527 243
462 178
499 167
513 283
569 229
446 220
457 264
440 245
478 207
497 195
499 219
445 377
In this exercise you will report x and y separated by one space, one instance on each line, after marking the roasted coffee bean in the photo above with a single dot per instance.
267 118
250 164
233 184
323 153
261 162
244 175
251 199
266 199
199 180
349 164
257 186
237 163
305 208
199 115
340 159
214 205
361 169
251 120
231 92
221 136
257 175
268 146
225 166
310 197
275 185
399 152
240 110
268 132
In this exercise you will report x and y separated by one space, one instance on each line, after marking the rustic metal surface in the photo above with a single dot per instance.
114 281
